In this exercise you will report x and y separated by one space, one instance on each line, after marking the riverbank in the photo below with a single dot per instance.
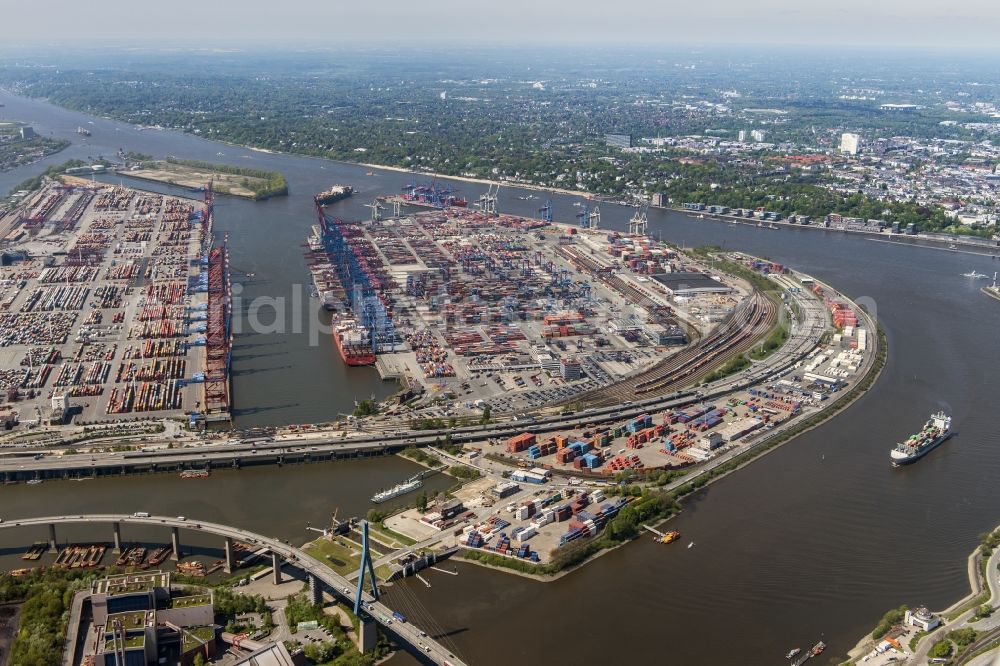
982 590
774 225
467 179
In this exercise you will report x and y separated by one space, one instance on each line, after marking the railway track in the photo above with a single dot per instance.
737 334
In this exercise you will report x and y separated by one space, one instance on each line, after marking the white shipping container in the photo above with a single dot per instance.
526 534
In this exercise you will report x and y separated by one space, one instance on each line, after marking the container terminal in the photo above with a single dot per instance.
491 308
113 304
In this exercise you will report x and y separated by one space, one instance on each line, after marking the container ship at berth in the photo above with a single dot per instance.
350 279
334 194
935 431
325 281
432 195
353 342
407 486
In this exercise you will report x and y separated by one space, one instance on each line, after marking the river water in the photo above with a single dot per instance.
815 540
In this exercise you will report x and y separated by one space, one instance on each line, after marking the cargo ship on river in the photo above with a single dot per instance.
935 431
407 486
333 195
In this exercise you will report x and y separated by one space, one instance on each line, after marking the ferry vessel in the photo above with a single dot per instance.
407 486
353 342
334 194
935 431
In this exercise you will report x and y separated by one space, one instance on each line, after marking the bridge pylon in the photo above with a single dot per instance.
366 566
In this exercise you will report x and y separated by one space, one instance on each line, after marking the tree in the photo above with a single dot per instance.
199 660
941 649
963 637
422 501
320 653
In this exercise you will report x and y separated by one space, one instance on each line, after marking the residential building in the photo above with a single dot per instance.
618 140
850 143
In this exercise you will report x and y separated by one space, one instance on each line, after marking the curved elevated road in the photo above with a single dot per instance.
429 649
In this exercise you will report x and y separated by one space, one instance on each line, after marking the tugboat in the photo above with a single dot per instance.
792 653
818 649
935 431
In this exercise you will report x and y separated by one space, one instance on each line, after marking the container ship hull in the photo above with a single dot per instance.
333 195
899 461
934 432
352 355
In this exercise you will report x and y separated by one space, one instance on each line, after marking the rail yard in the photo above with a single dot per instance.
111 306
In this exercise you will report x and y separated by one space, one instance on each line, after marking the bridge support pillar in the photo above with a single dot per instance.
367 634
276 566
53 548
175 542
118 537
315 592
229 556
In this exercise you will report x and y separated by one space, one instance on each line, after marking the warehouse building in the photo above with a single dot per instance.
691 284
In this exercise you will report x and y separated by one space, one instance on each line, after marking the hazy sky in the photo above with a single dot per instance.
917 23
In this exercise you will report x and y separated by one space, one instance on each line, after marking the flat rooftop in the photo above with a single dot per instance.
131 583
130 620
192 637
680 282
191 600
131 642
